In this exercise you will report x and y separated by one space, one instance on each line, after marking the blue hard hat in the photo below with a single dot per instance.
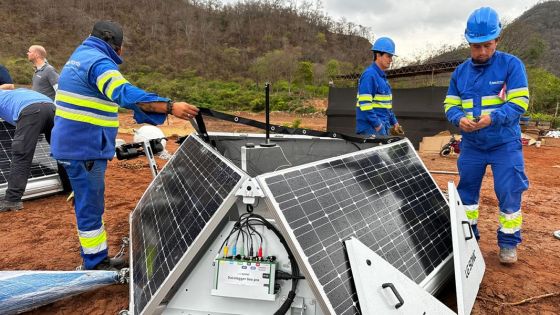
384 44
483 25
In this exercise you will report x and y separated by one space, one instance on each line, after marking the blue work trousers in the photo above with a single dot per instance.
510 182
88 182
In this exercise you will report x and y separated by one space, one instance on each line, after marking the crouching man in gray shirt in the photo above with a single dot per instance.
45 79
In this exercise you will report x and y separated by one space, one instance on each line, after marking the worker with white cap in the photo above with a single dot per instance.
486 97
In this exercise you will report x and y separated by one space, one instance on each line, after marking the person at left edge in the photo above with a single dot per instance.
90 91
32 114
6 82
374 114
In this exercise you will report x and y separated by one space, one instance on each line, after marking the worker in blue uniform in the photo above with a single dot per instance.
487 94
374 114
32 114
90 91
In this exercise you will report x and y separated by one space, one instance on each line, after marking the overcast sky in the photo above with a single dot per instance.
417 26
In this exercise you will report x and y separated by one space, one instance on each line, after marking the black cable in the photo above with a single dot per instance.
246 221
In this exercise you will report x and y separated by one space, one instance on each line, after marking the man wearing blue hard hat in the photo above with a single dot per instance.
374 114
486 96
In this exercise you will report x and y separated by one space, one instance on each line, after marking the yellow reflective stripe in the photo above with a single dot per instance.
103 78
511 221
467 103
365 98
469 116
86 118
491 100
452 99
521 102
83 102
366 107
472 214
449 106
95 241
517 93
113 85
383 97
382 105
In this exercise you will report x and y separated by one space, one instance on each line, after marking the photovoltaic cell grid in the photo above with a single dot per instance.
43 164
383 196
173 212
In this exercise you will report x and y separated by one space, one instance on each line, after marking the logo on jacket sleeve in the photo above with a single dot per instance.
496 82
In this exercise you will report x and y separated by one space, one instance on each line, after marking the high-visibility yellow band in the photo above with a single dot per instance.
366 107
89 242
383 97
521 102
449 106
106 76
521 92
113 85
86 103
471 214
491 100
365 98
467 103
87 119
511 223
454 100
382 105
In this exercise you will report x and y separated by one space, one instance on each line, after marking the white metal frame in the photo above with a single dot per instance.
153 306
432 283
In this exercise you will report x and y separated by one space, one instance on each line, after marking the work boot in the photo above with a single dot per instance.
508 255
109 264
6 205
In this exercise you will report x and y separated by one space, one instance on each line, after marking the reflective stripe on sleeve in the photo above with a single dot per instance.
452 99
520 92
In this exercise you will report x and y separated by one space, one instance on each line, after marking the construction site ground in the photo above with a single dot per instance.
43 235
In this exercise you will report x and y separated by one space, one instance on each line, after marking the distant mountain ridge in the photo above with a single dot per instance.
169 36
534 37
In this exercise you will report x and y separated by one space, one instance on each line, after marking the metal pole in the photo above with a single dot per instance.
267 110
556 112
267 142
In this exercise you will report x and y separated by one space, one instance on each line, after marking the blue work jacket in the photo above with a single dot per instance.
374 103
90 91
497 88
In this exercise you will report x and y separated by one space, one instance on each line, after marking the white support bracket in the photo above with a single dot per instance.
250 191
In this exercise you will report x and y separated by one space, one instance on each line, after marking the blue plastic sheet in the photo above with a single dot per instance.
21 291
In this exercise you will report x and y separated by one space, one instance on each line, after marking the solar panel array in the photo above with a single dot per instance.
173 212
43 164
383 196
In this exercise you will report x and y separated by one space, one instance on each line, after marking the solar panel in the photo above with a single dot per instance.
384 196
183 204
43 164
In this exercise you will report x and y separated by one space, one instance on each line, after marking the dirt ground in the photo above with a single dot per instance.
43 235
